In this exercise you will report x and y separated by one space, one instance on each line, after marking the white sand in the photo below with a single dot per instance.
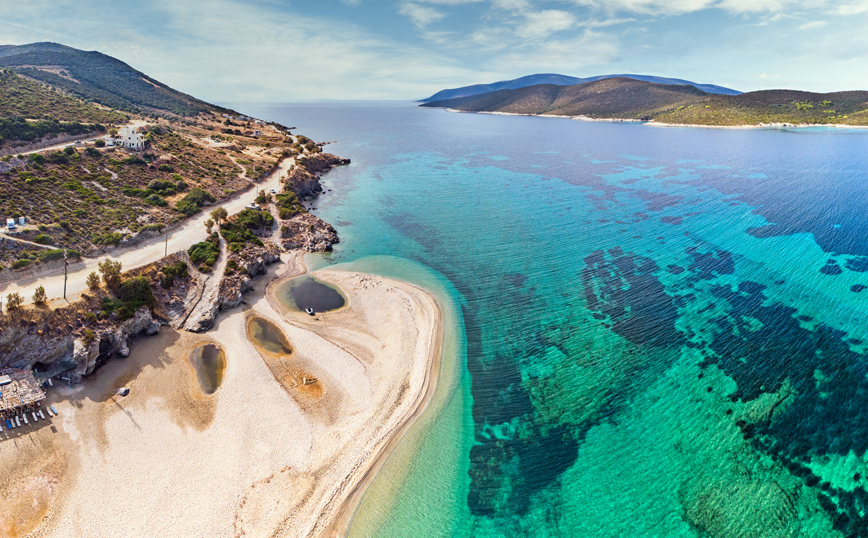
168 460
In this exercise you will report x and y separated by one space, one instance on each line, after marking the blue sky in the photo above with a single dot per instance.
294 50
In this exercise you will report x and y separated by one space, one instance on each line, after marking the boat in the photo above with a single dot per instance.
309 310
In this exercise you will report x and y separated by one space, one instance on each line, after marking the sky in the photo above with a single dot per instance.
258 51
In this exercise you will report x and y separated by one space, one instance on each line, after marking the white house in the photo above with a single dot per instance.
128 137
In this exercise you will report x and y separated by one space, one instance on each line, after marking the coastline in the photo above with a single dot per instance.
654 123
265 464
334 515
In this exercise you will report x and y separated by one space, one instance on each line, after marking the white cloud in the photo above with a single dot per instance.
421 16
541 24
813 24
564 55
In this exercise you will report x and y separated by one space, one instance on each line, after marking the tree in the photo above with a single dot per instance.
99 142
93 280
208 225
13 301
39 297
111 273
220 214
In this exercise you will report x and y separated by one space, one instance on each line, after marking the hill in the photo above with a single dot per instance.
624 98
30 111
563 80
94 76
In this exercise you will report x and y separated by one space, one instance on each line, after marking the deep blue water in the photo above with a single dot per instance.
662 329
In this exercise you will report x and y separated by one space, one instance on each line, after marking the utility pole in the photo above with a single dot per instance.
65 273
166 251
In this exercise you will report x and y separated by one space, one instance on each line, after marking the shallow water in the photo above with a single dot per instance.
663 329
307 292
209 362
267 336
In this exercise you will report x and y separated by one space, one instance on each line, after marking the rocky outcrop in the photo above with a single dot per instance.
307 232
11 164
25 346
242 266
303 179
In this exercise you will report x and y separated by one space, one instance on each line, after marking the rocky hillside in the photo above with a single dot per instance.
629 99
94 76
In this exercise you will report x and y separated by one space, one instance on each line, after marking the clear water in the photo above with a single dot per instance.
654 332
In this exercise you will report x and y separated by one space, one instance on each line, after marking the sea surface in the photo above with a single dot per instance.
652 332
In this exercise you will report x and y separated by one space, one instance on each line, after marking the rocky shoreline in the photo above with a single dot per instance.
73 341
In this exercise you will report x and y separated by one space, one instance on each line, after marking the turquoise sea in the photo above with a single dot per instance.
652 332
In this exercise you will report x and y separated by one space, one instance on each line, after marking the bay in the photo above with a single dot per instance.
652 331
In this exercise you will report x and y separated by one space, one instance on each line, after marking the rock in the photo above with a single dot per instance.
308 232
85 356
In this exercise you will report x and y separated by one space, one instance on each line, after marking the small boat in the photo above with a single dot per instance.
309 310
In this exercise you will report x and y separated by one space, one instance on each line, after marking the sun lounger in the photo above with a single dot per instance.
35 418
8 424
18 421
50 384
53 410
41 414
24 417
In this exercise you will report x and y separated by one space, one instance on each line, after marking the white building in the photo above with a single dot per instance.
128 137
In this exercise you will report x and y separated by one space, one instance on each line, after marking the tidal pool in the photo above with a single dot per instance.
267 336
209 361
307 292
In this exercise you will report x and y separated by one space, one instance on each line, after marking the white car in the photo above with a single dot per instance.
253 205
273 191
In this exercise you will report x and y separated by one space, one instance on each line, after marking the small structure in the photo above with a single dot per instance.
19 391
129 138
257 132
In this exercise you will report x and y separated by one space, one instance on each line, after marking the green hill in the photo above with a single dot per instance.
30 111
93 76
622 98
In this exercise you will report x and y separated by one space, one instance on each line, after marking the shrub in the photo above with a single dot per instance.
165 168
93 280
13 301
39 297
89 335
111 273
20 264
42 239
178 269
94 153
69 150
99 142
252 219
194 200
136 292
206 252
37 158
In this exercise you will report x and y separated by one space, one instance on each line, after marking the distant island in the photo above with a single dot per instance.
628 99
564 80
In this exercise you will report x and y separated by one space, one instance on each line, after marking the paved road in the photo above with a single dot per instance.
192 231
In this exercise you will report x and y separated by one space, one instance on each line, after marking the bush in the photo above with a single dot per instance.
194 200
136 292
111 273
13 301
206 252
20 264
39 297
253 219
178 269
93 280
89 335
69 150
99 142
37 159
42 239
93 152
165 168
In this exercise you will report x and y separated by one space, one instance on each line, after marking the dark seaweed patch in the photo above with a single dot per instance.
623 287
858 288
707 265
831 268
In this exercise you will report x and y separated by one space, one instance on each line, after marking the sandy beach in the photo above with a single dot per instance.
263 455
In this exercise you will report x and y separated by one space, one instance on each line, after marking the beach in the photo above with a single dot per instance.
259 457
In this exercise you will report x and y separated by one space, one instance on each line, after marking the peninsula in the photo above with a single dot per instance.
627 99
135 210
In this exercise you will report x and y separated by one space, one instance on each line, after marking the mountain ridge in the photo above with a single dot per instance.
629 99
100 78
565 80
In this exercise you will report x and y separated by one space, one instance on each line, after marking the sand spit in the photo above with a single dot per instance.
256 458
